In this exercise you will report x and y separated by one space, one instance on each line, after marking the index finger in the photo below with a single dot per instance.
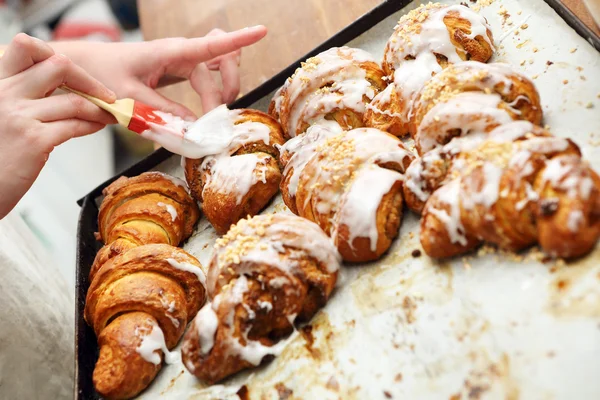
198 50
23 52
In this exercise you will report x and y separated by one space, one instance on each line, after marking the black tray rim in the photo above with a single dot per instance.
87 222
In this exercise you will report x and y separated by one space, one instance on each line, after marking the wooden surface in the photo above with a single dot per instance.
295 27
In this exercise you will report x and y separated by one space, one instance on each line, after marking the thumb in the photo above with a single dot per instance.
161 103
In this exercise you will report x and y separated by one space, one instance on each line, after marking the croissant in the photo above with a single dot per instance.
265 273
426 40
139 303
335 85
149 208
241 180
350 184
471 97
518 187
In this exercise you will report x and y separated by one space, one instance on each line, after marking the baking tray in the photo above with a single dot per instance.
486 326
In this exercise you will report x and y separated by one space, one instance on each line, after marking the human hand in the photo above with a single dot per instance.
135 69
31 122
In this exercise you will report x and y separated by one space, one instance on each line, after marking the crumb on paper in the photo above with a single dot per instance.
535 76
573 50
524 26
522 62
547 127
583 78
531 61
535 50
598 95
519 12
565 81
589 105
549 63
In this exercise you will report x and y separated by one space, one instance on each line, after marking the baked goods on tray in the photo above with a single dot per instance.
426 40
335 86
350 183
517 187
242 178
143 290
139 304
266 273
484 171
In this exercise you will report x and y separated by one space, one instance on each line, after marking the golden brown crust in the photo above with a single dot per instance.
223 209
148 284
148 208
257 298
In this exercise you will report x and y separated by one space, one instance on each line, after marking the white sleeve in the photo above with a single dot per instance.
36 319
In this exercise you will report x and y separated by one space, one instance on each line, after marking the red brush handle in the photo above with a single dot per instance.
142 115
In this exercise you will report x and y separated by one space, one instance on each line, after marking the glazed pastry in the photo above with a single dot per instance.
426 40
518 187
149 208
266 273
139 303
350 184
471 97
240 178
335 85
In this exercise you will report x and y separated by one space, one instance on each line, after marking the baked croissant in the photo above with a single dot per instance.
265 273
518 187
139 303
471 97
243 178
335 85
350 184
149 208
426 40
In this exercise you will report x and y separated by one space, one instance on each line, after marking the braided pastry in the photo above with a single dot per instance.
149 208
265 273
139 303
518 187
242 178
471 97
335 85
426 40
350 184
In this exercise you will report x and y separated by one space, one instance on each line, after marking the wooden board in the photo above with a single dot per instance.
295 27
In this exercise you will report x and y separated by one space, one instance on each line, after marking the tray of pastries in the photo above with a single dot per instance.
410 211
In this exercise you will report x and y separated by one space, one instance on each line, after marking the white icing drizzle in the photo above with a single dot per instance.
339 67
206 323
575 220
222 132
153 340
365 146
450 194
303 148
170 308
361 202
170 209
488 195
235 174
470 112
185 266
265 305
